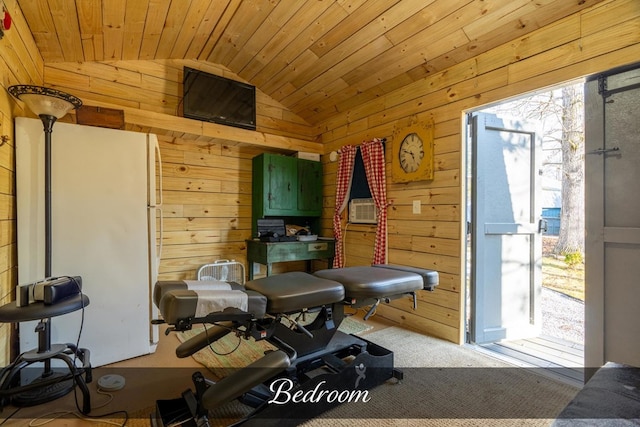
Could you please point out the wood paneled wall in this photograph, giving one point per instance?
(156, 86)
(599, 38)
(206, 205)
(207, 179)
(19, 63)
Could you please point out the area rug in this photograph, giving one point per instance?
(231, 352)
(443, 384)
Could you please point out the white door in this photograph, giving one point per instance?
(612, 243)
(506, 275)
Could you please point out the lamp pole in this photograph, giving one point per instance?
(48, 122)
(49, 104)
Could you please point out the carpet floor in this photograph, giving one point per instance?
(444, 384)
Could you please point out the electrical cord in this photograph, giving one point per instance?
(52, 416)
(210, 343)
(40, 421)
(88, 417)
(79, 414)
(57, 414)
(9, 417)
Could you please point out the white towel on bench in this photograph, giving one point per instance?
(215, 300)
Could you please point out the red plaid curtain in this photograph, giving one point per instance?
(343, 187)
(373, 158)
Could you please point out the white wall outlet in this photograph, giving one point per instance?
(256, 268)
(416, 207)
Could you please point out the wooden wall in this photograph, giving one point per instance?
(19, 63)
(206, 206)
(156, 86)
(206, 167)
(599, 38)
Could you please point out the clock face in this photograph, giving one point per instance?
(411, 153)
(412, 158)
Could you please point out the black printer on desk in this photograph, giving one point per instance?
(273, 230)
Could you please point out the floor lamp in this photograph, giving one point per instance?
(50, 105)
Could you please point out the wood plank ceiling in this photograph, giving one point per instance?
(317, 57)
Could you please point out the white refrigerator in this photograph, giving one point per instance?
(106, 228)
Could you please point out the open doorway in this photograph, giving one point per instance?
(525, 263)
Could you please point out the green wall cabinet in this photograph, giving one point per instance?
(285, 187)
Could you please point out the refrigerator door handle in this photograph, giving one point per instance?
(159, 161)
(154, 164)
(160, 237)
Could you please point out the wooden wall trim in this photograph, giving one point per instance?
(165, 124)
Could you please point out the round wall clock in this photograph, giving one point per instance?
(412, 153)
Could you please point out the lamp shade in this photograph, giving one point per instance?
(45, 101)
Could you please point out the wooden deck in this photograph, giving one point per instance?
(561, 359)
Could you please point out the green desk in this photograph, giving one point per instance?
(267, 253)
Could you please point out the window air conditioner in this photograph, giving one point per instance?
(363, 211)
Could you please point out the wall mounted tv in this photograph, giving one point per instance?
(212, 98)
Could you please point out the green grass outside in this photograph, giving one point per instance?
(560, 277)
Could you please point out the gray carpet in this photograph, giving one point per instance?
(444, 384)
(415, 350)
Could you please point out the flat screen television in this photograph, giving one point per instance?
(212, 98)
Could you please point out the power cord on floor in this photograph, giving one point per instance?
(36, 422)
(93, 418)
(52, 416)
(79, 414)
(9, 417)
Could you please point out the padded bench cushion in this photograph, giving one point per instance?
(192, 299)
(164, 286)
(430, 278)
(294, 291)
(373, 282)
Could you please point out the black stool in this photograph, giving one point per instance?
(51, 384)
